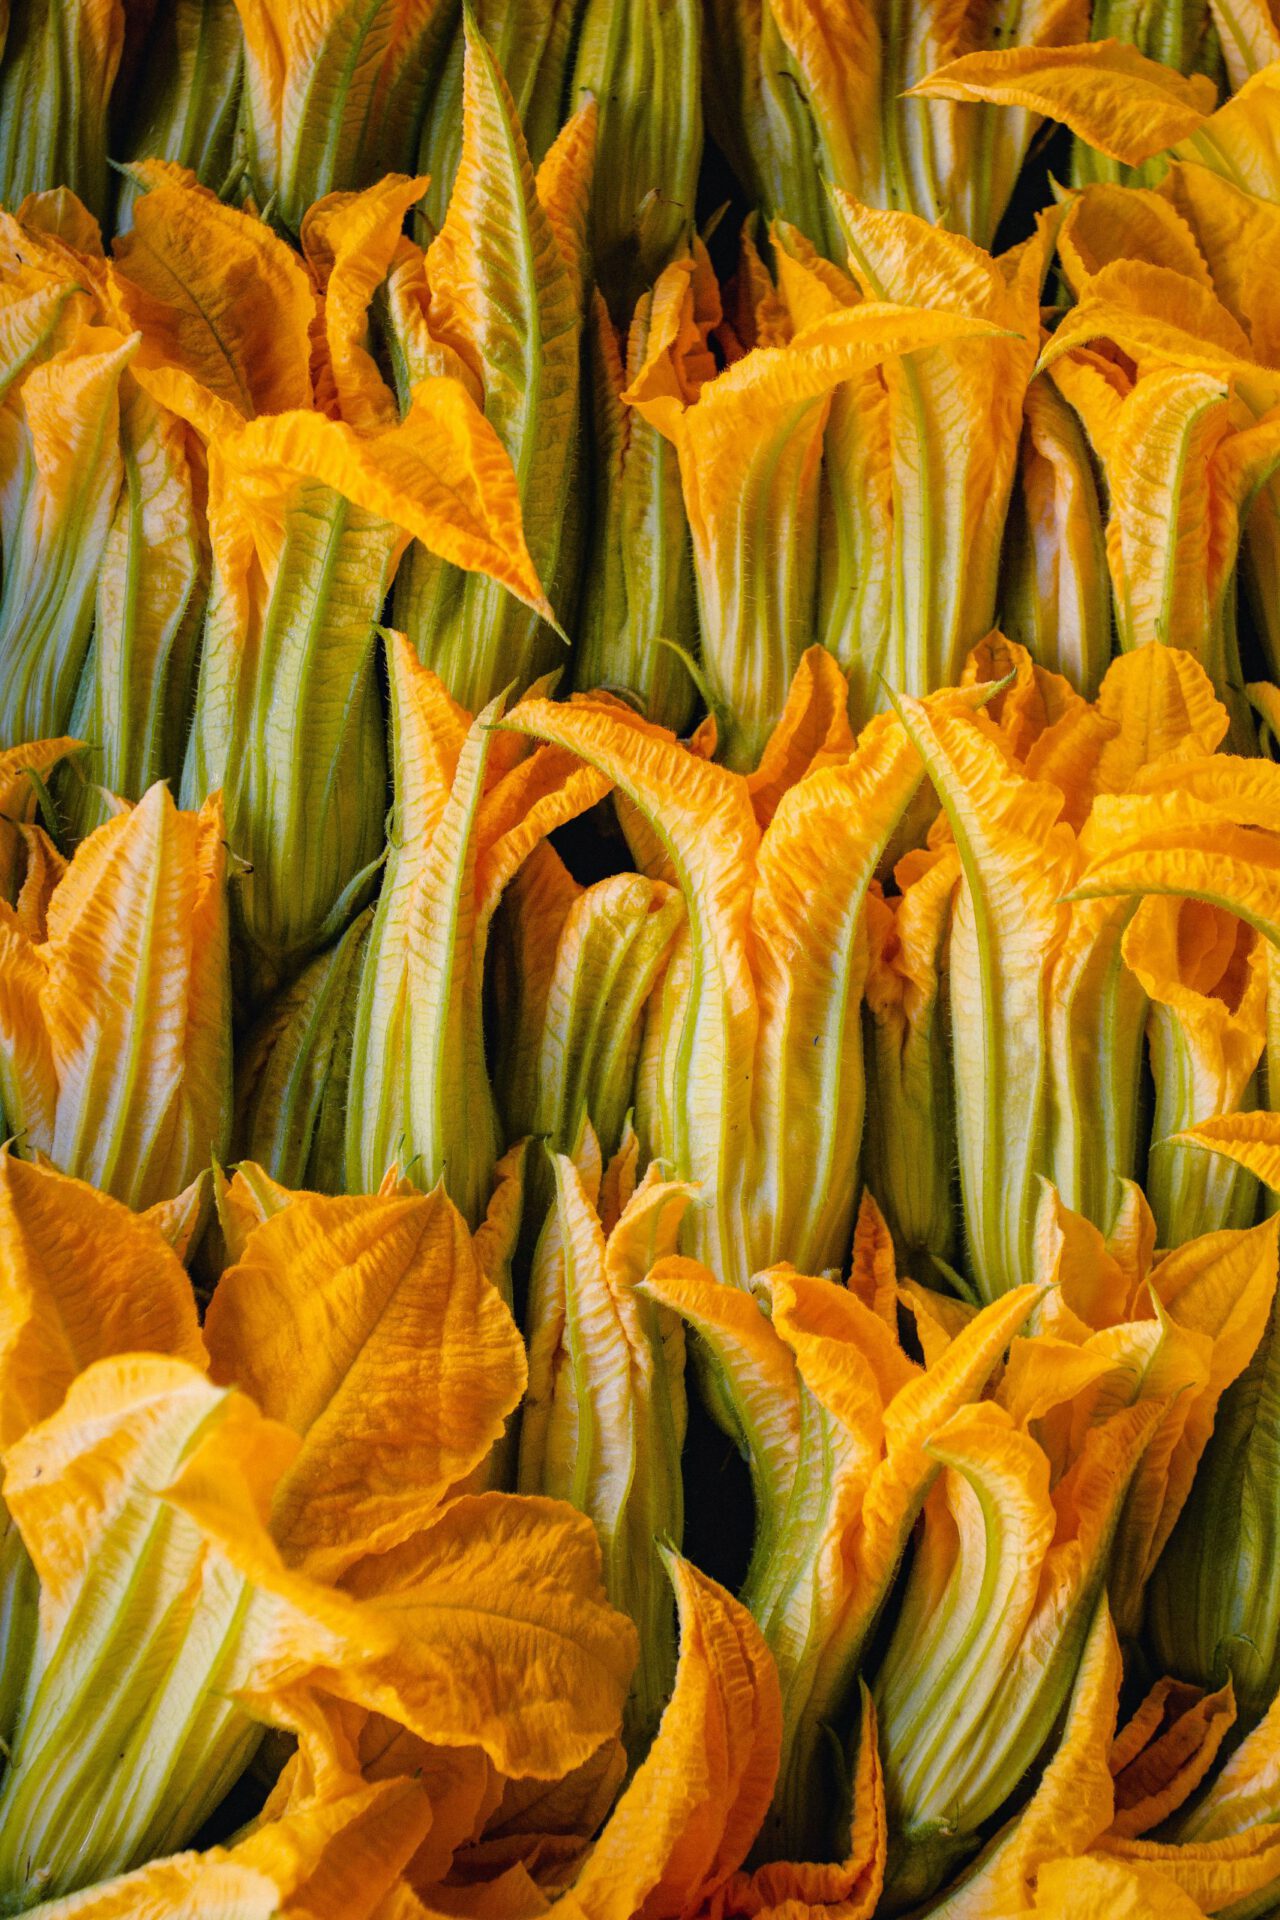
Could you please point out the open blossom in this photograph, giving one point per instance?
(266, 1520)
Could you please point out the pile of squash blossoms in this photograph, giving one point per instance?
(639, 959)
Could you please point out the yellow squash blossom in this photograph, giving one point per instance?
(1028, 802)
(58, 64)
(1073, 1803)
(638, 584)
(1079, 1851)
(499, 298)
(919, 452)
(803, 94)
(242, 1527)
(1236, 233)
(116, 1015)
(828, 1402)
(750, 443)
(61, 472)
(1071, 1476)
(856, 576)
(1207, 828)
(467, 813)
(1212, 1606)
(1187, 437)
(1212, 1609)
(575, 970)
(308, 510)
(603, 1422)
(1206, 974)
(23, 773)
(132, 705)
(111, 539)
(332, 92)
(1227, 237)
(515, 1849)
(680, 1831)
(1055, 595)
(752, 1076)
(910, 1147)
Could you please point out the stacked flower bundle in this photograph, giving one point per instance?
(639, 959)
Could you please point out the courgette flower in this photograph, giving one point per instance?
(838, 1426)
(332, 93)
(107, 551)
(1070, 1477)
(1055, 592)
(1078, 1850)
(1186, 426)
(1047, 1009)
(470, 805)
(116, 1013)
(574, 973)
(1130, 108)
(678, 1834)
(752, 1081)
(638, 584)
(802, 93)
(932, 318)
(603, 1422)
(498, 299)
(909, 1151)
(23, 772)
(1213, 1609)
(255, 1525)
(314, 489)
(1206, 974)
(62, 463)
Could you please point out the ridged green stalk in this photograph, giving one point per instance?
(188, 93)
(58, 62)
(291, 1074)
(641, 59)
(638, 587)
(1213, 1604)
